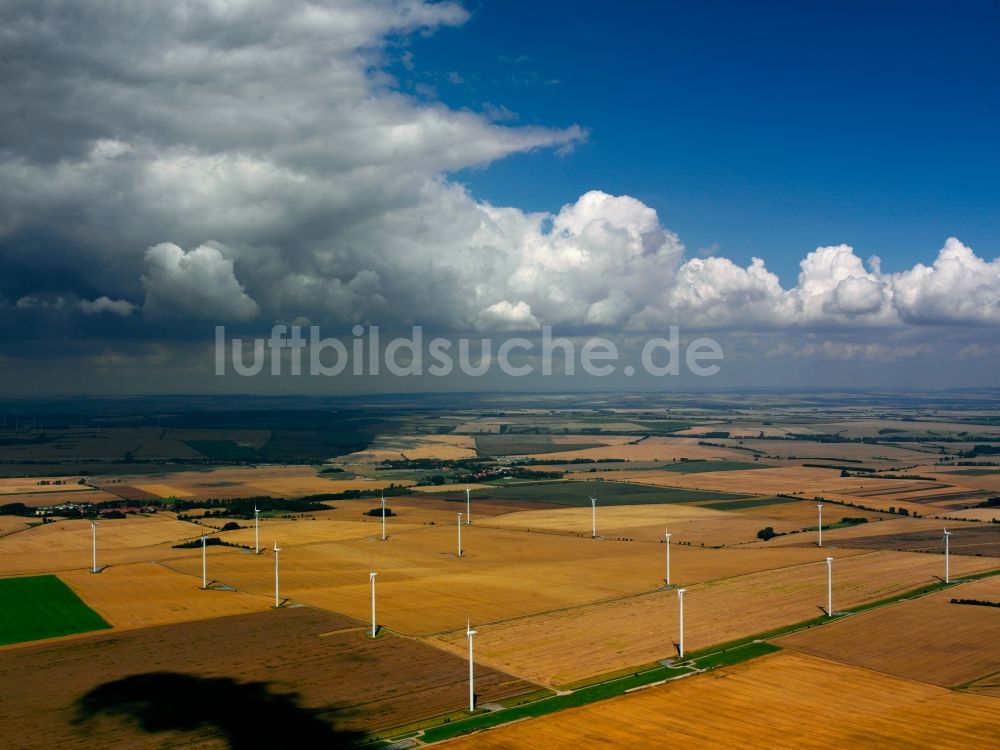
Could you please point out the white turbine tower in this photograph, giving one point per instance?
(93, 534)
(469, 633)
(593, 518)
(680, 605)
(371, 577)
(459, 534)
(667, 536)
(204, 570)
(829, 587)
(947, 565)
(468, 509)
(256, 530)
(277, 550)
(383, 518)
(819, 509)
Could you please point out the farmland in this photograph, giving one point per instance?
(37, 607)
(927, 639)
(285, 481)
(546, 648)
(553, 607)
(781, 701)
(144, 594)
(965, 540)
(326, 659)
(607, 493)
(67, 544)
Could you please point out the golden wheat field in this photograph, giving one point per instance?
(401, 447)
(278, 481)
(803, 513)
(313, 485)
(419, 510)
(502, 574)
(424, 587)
(301, 531)
(748, 429)
(782, 700)
(547, 649)
(11, 524)
(650, 449)
(890, 526)
(927, 639)
(68, 544)
(33, 485)
(163, 490)
(687, 523)
(431, 488)
(140, 595)
(783, 479)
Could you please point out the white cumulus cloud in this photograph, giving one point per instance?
(199, 285)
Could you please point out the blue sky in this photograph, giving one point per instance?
(497, 168)
(762, 128)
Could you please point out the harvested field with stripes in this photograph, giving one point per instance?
(503, 574)
(927, 639)
(643, 629)
(784, 700)
(66, 545)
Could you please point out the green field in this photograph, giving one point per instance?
(39, 607)
(223, 450)
(698, 467)
(754, 502)
(607, 493)
(520, 444)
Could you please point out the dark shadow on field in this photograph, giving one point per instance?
(246, 714)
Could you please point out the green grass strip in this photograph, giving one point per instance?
(598, 692)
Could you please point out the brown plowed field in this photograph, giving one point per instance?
(323, 657)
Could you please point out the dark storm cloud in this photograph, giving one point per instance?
(166, 166)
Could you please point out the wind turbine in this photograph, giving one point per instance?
(593, 518)
(667, 536)
(371, 577)
(383, 517)
(256, 530)
(469, 633)
(829, 587)
(680, 605)
(468, 509)
(819, 508)
(277, 549)
(947, 566)
(204, 575)
(459, 534)
(93, 533)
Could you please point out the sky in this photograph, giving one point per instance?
(812, 187)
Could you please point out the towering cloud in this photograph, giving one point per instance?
(251, 162)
